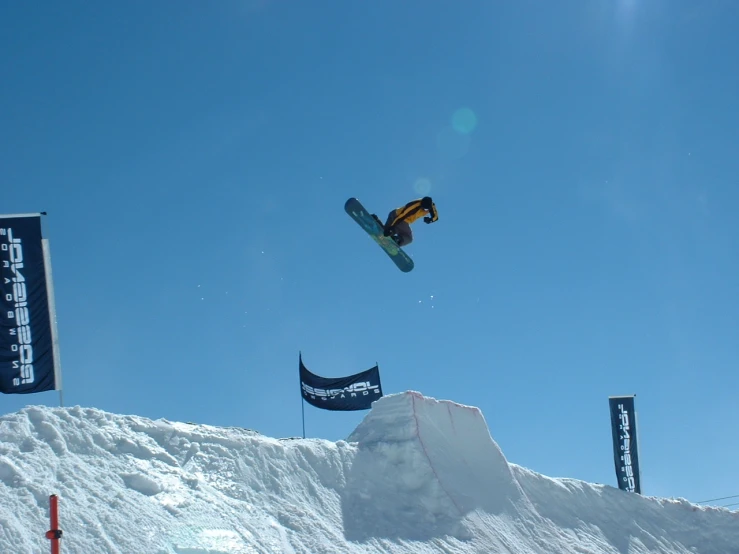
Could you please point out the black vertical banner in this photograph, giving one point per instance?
(625, 451)
(27, 336)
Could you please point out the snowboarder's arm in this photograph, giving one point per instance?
(433, 215)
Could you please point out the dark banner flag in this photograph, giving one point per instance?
(625, 452)
(355, 392)
(29, 360)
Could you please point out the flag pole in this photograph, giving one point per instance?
(302, 406)
(52, 316)
(302, 400)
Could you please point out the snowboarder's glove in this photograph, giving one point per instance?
(427, 220)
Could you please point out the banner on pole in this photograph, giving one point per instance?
(625, 451)
(354, 392)
(29, 355)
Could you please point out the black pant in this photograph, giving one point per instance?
(401, 228)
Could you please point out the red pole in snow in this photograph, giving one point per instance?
(54, 534)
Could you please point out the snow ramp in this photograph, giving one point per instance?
(422, 466)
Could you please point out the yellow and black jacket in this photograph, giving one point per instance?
(414, 210)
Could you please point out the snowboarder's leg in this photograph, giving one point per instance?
(386, 228)
(405, 235)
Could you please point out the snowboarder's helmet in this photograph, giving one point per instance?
(426, 202)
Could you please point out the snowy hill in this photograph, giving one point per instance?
(417, 476)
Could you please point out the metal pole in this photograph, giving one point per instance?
(52, 319)
(54, 534)
(300, 378)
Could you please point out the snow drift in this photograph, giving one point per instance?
(417, 476)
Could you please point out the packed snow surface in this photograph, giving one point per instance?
(418, 475)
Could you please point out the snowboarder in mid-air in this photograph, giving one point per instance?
(398, 221)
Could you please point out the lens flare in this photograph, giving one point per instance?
(464, 121)
(422, 186)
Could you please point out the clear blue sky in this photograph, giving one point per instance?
(194, 159)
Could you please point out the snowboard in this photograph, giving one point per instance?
(365, 220)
